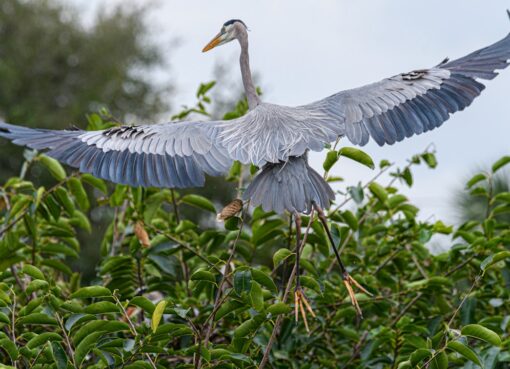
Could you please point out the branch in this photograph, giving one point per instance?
(279, 320)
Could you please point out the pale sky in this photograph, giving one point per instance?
(306, 50)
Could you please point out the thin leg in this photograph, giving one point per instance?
(300, 299)
(348, 280)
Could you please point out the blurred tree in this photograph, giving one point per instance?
(54, 69)
(475, 208)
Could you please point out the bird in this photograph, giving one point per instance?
(275, 138)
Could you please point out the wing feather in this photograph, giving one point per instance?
(162, 155)
(415, 102)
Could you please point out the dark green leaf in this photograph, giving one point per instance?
(91, 291)
(59, 355)
(242, 281)
(203, 275)
(464, 351)
(42, 339)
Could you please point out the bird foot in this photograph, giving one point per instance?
(349, 282)
(300, 304)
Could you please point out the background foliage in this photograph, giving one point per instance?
(54, 69)
(94, 275)
(169, 291)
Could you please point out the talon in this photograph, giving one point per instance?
(347, 282)
(300, 304)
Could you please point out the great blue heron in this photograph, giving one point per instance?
(275, 137)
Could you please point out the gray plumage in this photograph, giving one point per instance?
(277, 138)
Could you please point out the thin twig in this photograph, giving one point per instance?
(70, 350)
(220, 286)
(279, 320)
(406, 309)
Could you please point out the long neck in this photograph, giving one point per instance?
(249, 87)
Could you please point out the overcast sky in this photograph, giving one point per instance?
(306, 50)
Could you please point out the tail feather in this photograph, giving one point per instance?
(293, 186)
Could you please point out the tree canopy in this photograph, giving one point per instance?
(54, 69)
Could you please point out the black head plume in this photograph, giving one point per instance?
(232, 21)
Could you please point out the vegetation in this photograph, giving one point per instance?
(54, 69)
(175, 288)
(170, 292)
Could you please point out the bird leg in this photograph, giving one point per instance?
(300, 300)
(349, 282)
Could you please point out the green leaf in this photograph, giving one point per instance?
(227, 308)
(357, 155)
(356, 193)
(493, 259)
(500, 163)
(98, 326)
(4, 318)
(475, 179)
(204, 88)
(247, 328)
(79, 193)
(157, 315)
(242, 281)
(281, 255)
(419, 356)
(91, 291)
(430, 159)
(63, 198)
(101, 307)
(56, 170)
(144, 303)
(378, 191)
(37, 318)
(256, 296)
(203, 275)
(33, 272)
(94, 182)
(42, 339)
(350, 219)
(264, 280)
(4, 297)
(59, 355)
(482, 333)
(85, 346)
(199, 202)
(10, 348)
(80, 220)
(311, 283)
(464, 351)
(36, 285)
(440, 361)
(331, 159)
(279, 308)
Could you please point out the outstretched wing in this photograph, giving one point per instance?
(172, 155)
(411, 103)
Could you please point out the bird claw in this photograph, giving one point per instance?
(300, 304)
(348, 282)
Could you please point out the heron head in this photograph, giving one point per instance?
(230, 31)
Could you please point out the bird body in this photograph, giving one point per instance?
(274, 137)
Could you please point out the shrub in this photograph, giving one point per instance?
(172, 293)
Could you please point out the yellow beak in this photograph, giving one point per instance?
(213, 43)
